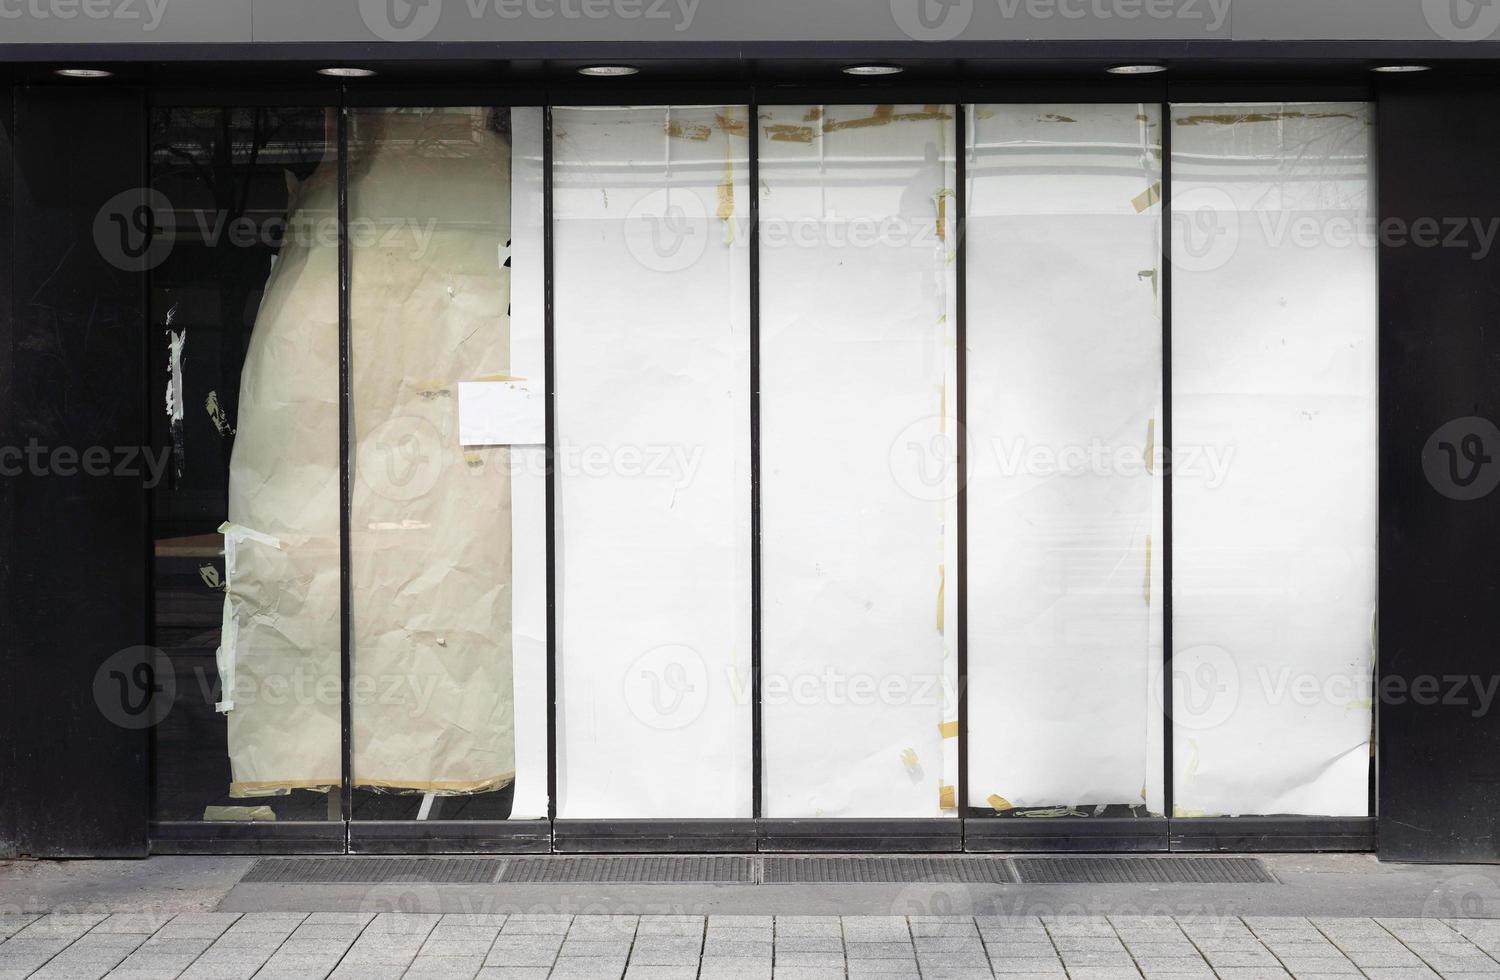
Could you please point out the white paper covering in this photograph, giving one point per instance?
(1064, 500)
(528, 485)
(1274, 365)
(653, 462)
(857, 480)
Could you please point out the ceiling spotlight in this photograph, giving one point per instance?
(346, 72)
(608, 71)
(84, 73)
(874, 70)
(1401, 69)
(1137, 69)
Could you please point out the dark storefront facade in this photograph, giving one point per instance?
(1000, 427)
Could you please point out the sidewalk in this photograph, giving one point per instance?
(377, 946)
(193, 918)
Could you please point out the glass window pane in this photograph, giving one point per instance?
(1274, 355)
(245, 308)
(651, 339)
(858, 486)
(448, 410)
(1064, 495)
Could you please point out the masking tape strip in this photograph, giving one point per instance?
(238, 813)
(1146, 198)
(947, 798)
(942, 587)
(1148, 569)
(229, 630)
(277, 787)
(440, 787)
(948, 729)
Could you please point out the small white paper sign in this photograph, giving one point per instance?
(500, 413)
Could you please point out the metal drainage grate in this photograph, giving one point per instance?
(1142, 870)
(853, 870)
(644, 869)
(373, 870)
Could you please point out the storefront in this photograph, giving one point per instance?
(914, 444)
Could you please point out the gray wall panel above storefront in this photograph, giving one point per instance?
(160, 22)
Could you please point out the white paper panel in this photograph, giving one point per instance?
(1064, 500)
(528, 482)
(1274, 370)
(651, 342)
(501, 413)
(856, 368)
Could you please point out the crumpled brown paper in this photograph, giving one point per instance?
(430, 547)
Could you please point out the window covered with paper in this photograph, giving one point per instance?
(858, 477)
(1274, 357)
(447, 551)
(651, 340)
(1064, 483)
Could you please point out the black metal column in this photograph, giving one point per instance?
(75, 596)
(8, 734)
(1439, 775)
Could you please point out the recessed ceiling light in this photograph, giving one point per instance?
(1401, 69)
(874, 70)
(84, 73)
(346, 72)
(608, 71)
(1137, 69)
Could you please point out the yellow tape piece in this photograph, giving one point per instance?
(1146, 198)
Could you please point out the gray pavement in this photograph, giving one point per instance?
(421, 946)
(1326, 916)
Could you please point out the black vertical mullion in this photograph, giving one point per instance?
(550, 423)
(1166, 445)
(961, 460)
(346, 409)
(755, 691)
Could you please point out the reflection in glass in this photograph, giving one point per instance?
(245, 311)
